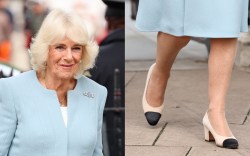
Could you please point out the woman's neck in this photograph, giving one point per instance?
(52, 82)
(61, 86)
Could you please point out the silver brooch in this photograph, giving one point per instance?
(89, 94)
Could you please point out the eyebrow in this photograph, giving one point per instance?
(77, 45)
(61, 44)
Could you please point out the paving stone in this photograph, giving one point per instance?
(137, 133)
(244, 152)
(128, 77)
(212, 151)
(183, 134)
(155, 151)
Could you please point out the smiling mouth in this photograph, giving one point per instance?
(66, 65)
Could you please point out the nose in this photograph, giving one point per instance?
(68, 55)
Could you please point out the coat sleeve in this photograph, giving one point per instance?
(99, 148)
(8, 119)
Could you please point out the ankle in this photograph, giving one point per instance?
(161, 73)
(216, 107)
(211, 111)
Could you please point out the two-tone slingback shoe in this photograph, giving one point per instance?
(152, 114)
(221, 141)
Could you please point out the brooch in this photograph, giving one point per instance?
(89, 94)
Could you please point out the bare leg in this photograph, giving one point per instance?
(221, 62)
(168, 47)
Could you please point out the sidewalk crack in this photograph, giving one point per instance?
(126, 84)
(248, 113)
(158, 136)
(188, 151)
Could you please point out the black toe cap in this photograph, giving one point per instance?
(153, 117)
(230, 143)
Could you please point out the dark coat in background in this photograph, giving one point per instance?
(111, 56)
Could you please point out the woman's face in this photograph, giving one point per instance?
(64, 59)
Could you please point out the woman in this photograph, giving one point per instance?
(175, 22)
(53, 109)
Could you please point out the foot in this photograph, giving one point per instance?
(156, 87)
(219, 123)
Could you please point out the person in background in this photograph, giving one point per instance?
(111, 57)
(6, 27)
(4, 7)
(35, 12)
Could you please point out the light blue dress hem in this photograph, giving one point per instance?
(193, 34)
(210, 19)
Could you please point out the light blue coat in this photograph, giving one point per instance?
(31, 122)
(199, 18)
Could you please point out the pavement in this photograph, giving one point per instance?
(180, 130)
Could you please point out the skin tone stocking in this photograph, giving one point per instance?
(168, 47)
(221, 62)
(220, 66)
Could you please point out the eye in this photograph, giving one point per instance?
(77, 49)
(60, 48)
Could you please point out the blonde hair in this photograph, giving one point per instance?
(56, 26)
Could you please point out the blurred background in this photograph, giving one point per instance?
(20, 20)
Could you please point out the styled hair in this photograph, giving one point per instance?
(56, 26)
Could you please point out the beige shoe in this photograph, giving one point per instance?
(221, 141)
(153, 114)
